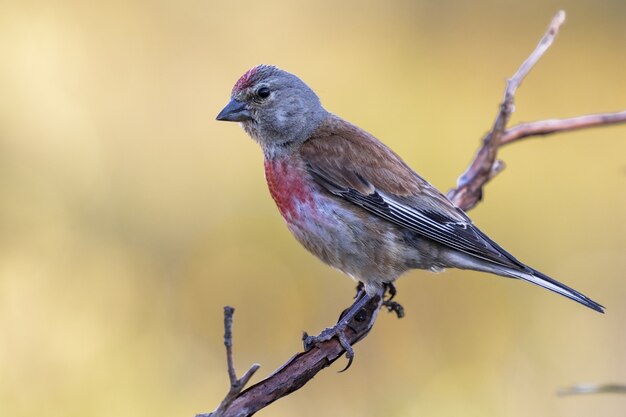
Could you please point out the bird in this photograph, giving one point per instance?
(352, 201)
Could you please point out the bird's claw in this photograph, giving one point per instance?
(354, 316)
(310, 342)
(348, 348)
(391, 289)
(307, 341)
(326, 334)
(394, 307)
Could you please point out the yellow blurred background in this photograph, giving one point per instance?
(129, 216)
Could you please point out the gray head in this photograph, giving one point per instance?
(275, 107)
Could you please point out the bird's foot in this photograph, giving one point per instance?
(393, 306)
(355, 313)
(390, 289)
(336, 331)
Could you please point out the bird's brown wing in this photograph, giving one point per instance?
(355, 166)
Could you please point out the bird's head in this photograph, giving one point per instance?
(275, 108)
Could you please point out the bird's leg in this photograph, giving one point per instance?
(391, 289)
(393, 306)
(360, 288)
(344, 320)
(354, 313)
(360, 292)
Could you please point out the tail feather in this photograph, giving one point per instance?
(522, 271)
(542, 280)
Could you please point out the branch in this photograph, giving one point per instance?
(593, 389)
(303, 366)
(484, 167)
(546, 127)
(236, 385)
(297, 371)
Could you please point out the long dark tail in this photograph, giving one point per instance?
(537, 278)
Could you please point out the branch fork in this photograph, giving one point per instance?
(236, 384)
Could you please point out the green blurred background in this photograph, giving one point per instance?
(129, 216)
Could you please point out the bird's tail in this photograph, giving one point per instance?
(542, 280)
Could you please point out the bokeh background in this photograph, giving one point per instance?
(129, 216)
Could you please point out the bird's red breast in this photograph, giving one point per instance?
(288, 187)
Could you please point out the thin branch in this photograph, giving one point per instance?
(236, 385)
(593, 389)
(228, 343)
(545, 43)
(469, 188)
(298, 370)
(303, 366)
(546, 127)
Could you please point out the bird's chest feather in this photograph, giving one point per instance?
(314, 217)
(290, 189)
(311, 216)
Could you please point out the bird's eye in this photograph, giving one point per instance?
(263, 92)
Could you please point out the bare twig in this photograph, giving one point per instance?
(545, 43)
(469, 188)
(298, 370)
(228, 343)
(236, 385)
(546, 127)
(593, 389)
(303, 366)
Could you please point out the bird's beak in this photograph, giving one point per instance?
(235, 111)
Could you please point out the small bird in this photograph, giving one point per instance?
(352, 201)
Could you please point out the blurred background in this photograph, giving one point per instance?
(129, 216)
